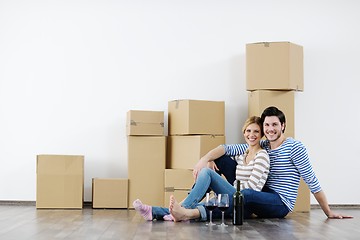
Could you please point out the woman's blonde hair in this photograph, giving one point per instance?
(251, 120)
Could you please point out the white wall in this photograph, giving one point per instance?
(70, 70)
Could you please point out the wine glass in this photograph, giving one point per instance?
(210, 204)
(223, 205)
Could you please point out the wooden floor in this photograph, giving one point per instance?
(26, 222)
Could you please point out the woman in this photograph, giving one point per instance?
(252, 170)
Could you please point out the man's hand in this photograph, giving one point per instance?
(333, 215)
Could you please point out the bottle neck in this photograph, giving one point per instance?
(238, 185)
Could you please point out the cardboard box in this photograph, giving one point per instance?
(109, 193)
(146, 167)
(187, 117)
(178, 179)
(178, 182)
(185, 151)
(145, 123)
(274, 66)
(283, 100)
(178, 194)
(59, 181)
(303, 198)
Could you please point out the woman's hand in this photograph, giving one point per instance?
(208, 160)
(212, 165)
(200, 165)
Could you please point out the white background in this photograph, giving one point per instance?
(70, 70)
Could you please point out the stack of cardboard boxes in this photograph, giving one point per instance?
(274, 72)
(146, 156)
(195, 127)
(160, 166)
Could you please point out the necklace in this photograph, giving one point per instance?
(250, 155)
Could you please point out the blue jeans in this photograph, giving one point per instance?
(227, 167)
(265, 204)
(207, 178)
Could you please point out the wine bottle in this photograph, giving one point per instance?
(238, 200)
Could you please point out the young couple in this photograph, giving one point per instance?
(274, 198)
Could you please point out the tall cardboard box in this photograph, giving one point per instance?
(186, 117)
(284, 100)
(59, 181)
(303, 198)
(146, 167)
(274, 66)
(145, 123)
(109, 193)
(178, 182)
(185, 151)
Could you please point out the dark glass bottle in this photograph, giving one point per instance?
(238, 200)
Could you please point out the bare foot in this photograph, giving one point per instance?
(180, 213)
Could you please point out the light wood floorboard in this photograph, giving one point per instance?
(26, 222)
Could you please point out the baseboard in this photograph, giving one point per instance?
(89, 204)
(18, 203)
(32, 203)
(332, 206)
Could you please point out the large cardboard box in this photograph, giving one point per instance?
(274, 66)
(178, 182)
(284, 100)
(196, 117)
(59, 181)
(146, 167)
(303, 198)
(145, 123)
(185, 151)
(109, 193)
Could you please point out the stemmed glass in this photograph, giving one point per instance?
(223, 205)
(210, 204)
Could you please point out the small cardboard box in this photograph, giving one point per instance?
(178, 179)
(283, 100)
(187, 117)
(178, 194)
(185, 151)
(59, 181)
(178, 182)
(146, 166)
(109, 193)
(274, 66)
(145, 123)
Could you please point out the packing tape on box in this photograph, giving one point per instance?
(134, 123)
(173, 189)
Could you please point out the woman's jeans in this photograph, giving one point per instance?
(265, 204)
